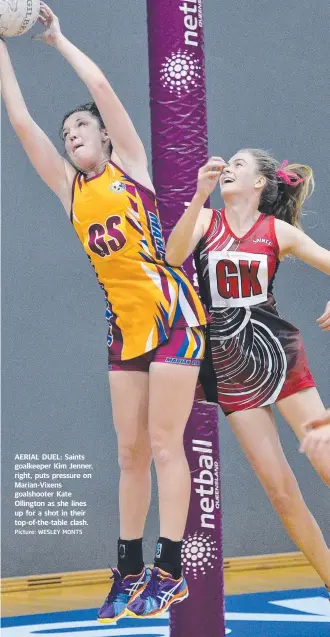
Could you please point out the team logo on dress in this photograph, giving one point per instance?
(262, 240)
(180, 72)
(199, 552)
(117, 187)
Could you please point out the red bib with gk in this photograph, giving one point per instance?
(237, 279)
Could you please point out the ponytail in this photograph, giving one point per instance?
(292, 193)
(286, 189)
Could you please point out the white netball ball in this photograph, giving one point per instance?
(18, 16)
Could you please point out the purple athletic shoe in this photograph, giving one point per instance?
(160, 593)
(123, 590)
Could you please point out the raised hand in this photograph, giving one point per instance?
(324, 320)
(51, 23)
(208, 176)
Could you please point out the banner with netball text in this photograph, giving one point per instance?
(179, 148)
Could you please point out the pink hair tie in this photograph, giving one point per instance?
(290, 178)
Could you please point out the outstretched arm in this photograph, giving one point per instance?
(195, 221)
(124, 138)
(293, 241)
(57, 173)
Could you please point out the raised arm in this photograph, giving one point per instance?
(55, 171)
(195, 221)
(124, 138)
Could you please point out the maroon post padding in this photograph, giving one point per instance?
(179, 148)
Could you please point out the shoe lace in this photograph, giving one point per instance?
(151, 589)
(117, 590)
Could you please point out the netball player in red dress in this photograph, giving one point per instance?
(255, 358)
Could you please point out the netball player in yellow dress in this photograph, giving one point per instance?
(155, 337)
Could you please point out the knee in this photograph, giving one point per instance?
(285, 497)
(164, 448)
(282, 502)
(161, 453)
(133, 459)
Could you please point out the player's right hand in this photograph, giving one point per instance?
(208, 176)
(317, 439)
(317, 436)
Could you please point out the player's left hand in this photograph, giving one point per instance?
(51, 23)
(324, 320)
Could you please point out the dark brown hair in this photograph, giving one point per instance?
(278, 198)
(91, 108)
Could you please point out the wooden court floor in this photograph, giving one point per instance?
(92, 596)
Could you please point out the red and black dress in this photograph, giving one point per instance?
(254, 357)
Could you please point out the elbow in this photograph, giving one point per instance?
(100, 85)
(172, 260)
(22, 124)
(326, 264)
